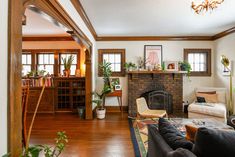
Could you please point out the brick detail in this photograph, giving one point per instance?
(141, 83)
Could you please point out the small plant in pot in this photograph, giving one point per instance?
(67, 62)
(99, 101)
(129, 66)
(185, 66)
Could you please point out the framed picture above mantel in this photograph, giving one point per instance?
(152, 56)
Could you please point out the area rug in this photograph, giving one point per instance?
(139, 133)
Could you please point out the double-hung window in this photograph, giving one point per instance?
(46, 62)
(114, 56)
(200, 61)
(26, 63)
(73, 65)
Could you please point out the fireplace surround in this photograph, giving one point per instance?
(140, 83)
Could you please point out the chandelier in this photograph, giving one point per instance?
(206, 5)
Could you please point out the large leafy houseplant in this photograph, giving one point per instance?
(67, 62)
(99, 97)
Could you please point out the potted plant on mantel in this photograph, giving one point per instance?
(67, 65)
(185, 66)
(99, 97)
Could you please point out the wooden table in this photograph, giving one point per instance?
(118, 94)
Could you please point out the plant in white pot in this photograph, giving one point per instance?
(99, 97)
(99, 101)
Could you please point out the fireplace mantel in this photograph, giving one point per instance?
(152, 73)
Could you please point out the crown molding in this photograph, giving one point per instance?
(154, 38)
(224, 33)
(48, 38)
(78, 6)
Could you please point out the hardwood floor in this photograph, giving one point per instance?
(87, 138)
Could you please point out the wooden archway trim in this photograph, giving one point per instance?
(16, 10)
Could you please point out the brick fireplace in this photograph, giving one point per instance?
(139, 83)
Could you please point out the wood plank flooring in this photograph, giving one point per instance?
(87, 138)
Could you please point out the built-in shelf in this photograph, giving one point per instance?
(155, 72)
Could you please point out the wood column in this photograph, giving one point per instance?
(14, 78)
(88, 80)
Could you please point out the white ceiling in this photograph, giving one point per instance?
(37, 25)
(156, 18)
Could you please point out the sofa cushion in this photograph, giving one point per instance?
(210, 98)
(172, 136)
(213, 109)
(180, 152)
(214, 143)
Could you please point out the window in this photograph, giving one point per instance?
(200, 61)
(26, 63)
(73, 66)
(46, 62)
(117, 59)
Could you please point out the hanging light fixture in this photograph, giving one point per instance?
(206, 5)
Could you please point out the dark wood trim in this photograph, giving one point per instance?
(154, 38)
(48, 38)
(88, 84)
(78, 6)
(14, 78)
(224, 33)
(112, 51)
(208, 53)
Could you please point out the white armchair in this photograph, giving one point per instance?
(216, 110)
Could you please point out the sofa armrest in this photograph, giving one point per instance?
(180, 152)
(157, 147)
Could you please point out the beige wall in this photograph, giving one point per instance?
(224, 46)
(57, 45)
(3, 76)
(172, 51)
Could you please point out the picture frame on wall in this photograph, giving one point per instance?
(152, 56)
(171, 66)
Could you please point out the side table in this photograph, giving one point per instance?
(118, 94)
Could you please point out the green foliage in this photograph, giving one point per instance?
(129, 65)
(107, 72)
(100, 96)
(225, 61)
(68, 62)
(185, 66)
(60, 143)
(7, 155)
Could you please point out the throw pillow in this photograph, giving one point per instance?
(210, 98)
(172, 136)
(180, 152)
(190, 132)
(214, 143)
(201, 100)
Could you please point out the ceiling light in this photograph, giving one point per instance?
(206, 5)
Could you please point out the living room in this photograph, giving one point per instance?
(125, 34)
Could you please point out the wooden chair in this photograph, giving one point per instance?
(144, 112)
(24, 102)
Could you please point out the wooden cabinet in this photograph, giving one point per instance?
(47, 101)
(70, 93)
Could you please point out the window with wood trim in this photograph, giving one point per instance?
(114, 56)
(200, 61)
(26, 63)
(46, 62)
(74, 63)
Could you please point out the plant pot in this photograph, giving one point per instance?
(66, 73)
(100, 113)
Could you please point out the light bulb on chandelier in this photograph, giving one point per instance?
(206, 5)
